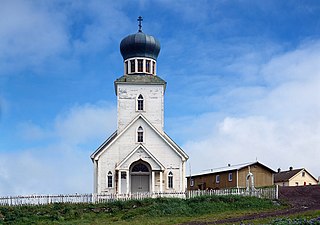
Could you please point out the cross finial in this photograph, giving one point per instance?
(140, 20)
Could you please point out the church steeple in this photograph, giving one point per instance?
(140, 52)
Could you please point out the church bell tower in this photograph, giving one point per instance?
(140, 90)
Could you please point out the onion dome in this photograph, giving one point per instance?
(140, 45)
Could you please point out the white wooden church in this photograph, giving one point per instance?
(139, 156)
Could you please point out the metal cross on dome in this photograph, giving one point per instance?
(140, 21)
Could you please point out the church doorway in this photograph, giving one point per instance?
(140, 177)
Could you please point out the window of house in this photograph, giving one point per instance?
(140, 134)
(140, 65)
(148, 66)
(191, 182)
(297, 184)
(109, 183)
(230, 177)
(170, 180)
(217, 179)
(132, 66)
(140, 102)
(123, 175)
(303, 173)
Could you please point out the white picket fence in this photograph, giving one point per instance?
(269, 193)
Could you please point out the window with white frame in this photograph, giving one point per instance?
(191, 182)
(170, 180)
(140, 134)
(230, 177)
(148, 66)
(126, 68)
(132, 66)
(217, 179)
(140, 103)
(109, 180)
(140, 65)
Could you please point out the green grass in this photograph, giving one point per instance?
(147, 211)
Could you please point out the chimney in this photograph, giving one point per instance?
(279, 170)
(290, 168)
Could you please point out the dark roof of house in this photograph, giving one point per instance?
(231, 168)
(285, 175)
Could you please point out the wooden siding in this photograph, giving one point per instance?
(262, 177)
(208, 181)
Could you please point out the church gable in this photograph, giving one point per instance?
(151, 138)
(140, 153)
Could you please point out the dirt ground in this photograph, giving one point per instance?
(300, 199)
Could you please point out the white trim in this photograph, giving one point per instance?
(153, 66)
(119, 182)
(161, 182)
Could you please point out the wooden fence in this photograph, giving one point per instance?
(270, 193)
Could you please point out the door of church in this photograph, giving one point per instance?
(140, 177)
(139, 183)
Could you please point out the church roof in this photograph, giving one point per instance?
(139, 79)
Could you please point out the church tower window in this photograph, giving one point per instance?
(132, 66)
(140, 134)
(170, 180)
(109, 185)
(140, 103)
(148, 66)
(153, 68)
(126, 71)
(140, 65)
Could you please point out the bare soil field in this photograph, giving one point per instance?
(299, 199)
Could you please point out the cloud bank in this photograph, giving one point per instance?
(279, 125)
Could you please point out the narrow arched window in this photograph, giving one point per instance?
(109, 180)
(170, 180)
(140, 134)
(148, 66)
(140, 102)
(132, 66)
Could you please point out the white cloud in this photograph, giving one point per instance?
(59, 161)
(278, 122)
(42, 33)
(86, 122)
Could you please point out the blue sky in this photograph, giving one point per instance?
(243, 84)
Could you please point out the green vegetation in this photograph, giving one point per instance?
(311, 217)
(147, 211)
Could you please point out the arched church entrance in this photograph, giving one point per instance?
(140, 177)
